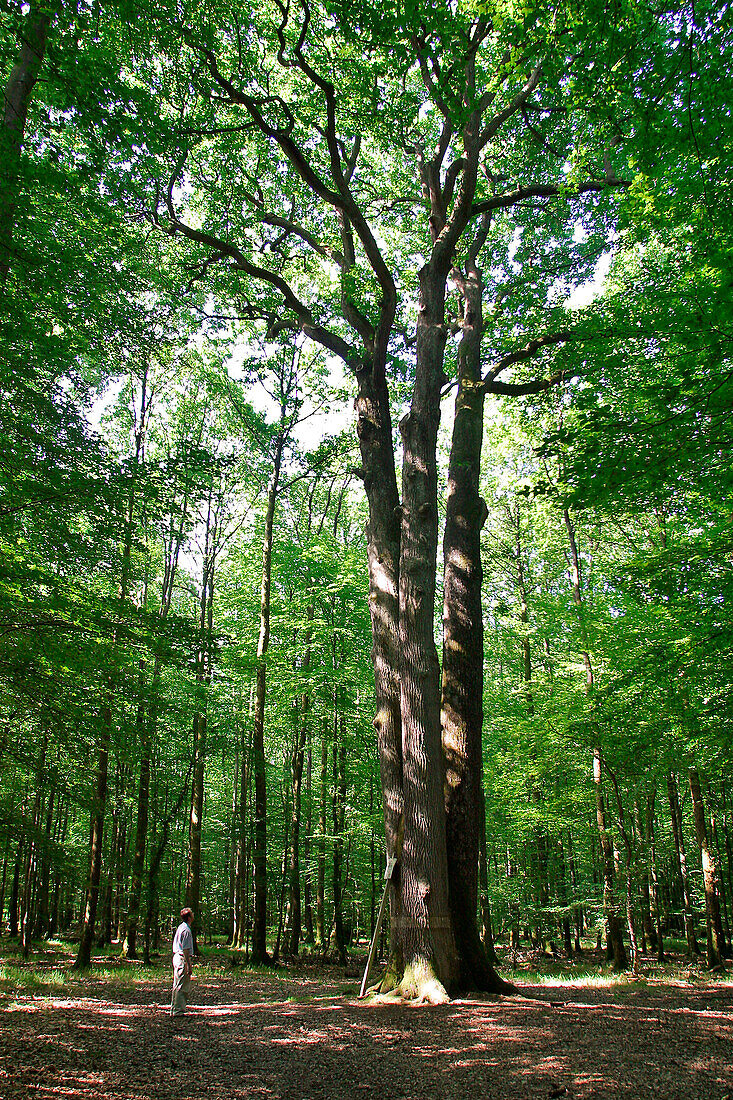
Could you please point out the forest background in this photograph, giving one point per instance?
(219, 231)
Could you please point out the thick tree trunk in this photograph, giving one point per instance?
(713, 925)
(693, 947)
(374, 429)
(34, 28)
(463, 648)
(432, 964)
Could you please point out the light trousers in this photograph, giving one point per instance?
(181, 986)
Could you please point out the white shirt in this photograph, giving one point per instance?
(183, 939)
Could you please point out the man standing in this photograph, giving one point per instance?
(182, 951)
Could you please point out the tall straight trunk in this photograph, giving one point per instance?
(129, 947)
(719, 882)
(649, 935)
(651, 841)
(562, 897)
(84, 954)
(308, 877)
(715, 943)
(577, 910)
(463, 641)
(294, 925)
(31, 858)
(105, 735)
(728, 840)
(200, 722)
(34, 28)
(338, 810)
(14, 906)
(487, 932)
(432, 964)
(43, 916)
(283, 871)
(239, 937)
(374, 429)
(610, 908)
(259, 930)
(322, 833)
(693, 947)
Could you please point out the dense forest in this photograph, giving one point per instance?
(366, 424)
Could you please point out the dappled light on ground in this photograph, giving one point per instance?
(264, 1036)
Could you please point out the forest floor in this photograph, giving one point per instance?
(299, 1032)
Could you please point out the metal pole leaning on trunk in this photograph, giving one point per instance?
(389, 871)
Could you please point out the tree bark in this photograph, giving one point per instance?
(463, 643)
(129, 947)
(432, 964)
(33, 36)
(693, 947)
(713, 925)
(259, 931)
(294, 923)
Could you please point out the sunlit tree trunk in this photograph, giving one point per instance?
(715, 944)
(463, 641)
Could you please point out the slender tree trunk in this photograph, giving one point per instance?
(693, 947)
(610, 908)
(308, 878)
(129, 947)
(577, 910)
(339, 808)
(659, 939)
(487, 932)
(615, 935)
(709, 873)
(294, 926)
(322, 833)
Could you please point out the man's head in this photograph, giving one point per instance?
(187, 915)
